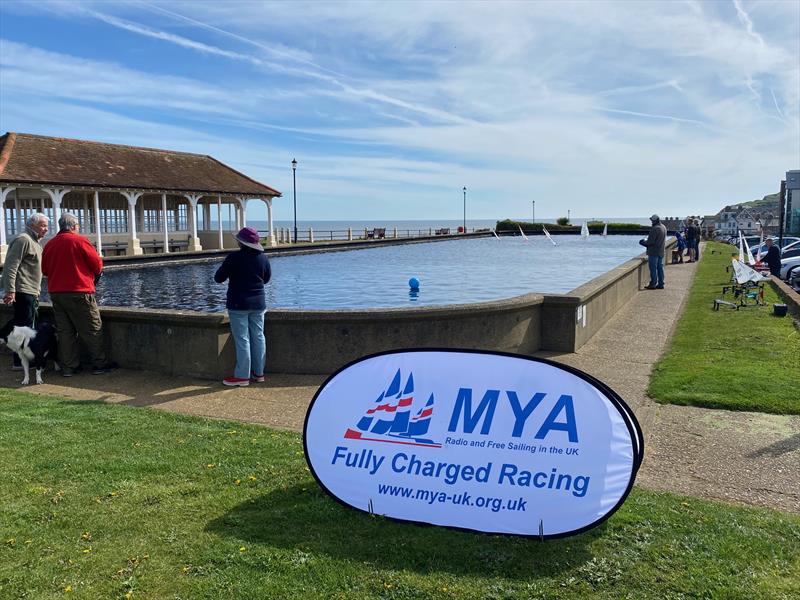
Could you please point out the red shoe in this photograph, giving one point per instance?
(256, 378)
(236, 381)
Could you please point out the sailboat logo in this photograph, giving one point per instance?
(389, 419)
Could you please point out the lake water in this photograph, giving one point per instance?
(450, 272)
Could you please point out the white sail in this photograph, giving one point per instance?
(741, 247)
(547, 235)
(750, 259)
(584, 230)
(522, 233)
(495, 234)
(760, 244)
(605, 230)
(743, 273)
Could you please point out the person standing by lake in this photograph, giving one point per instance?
(655, 244)
(690, 233)
(773, 258)
(247, 272)
(73, 267)
(22, 274)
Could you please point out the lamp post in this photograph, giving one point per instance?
(465, 209)
(533, 211)
(294, 191)
(568, 217)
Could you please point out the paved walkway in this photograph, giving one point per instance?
(748, 458)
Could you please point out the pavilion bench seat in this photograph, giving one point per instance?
(116, 247)
(443, 231)
(378, 233)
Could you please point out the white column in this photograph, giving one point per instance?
(219, 222)
(311, 235)
(56, 195)
(164, 222)
(18, 210)
(207, 216)
(271, 233)
(194, 241)
(98, 235)
(4, 192)
(134, 247)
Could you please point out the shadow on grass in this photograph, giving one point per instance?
(295, 518)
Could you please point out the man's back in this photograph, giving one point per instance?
(70, 263)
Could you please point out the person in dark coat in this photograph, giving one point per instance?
(656, 245)
(247, 271)
(773, 258)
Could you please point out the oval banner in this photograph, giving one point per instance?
(485, 441)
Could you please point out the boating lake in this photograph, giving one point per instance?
(450, 272)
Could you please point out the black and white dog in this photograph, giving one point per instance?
(33, 346)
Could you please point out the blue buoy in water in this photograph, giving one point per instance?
(413, 283)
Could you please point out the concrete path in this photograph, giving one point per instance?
(748, 458)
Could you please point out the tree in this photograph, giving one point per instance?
(562, 221)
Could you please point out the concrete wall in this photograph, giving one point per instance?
(323, 341)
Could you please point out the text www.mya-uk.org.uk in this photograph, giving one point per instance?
(462, 498)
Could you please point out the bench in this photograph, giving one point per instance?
(158, 245)
(115, 247)
(377, 233)
(443, 231)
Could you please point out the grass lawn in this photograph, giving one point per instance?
(106, 501)
(737, 360)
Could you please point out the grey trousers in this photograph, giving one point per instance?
(77, 315)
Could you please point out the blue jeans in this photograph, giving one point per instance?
(247, 327)
(656, 264)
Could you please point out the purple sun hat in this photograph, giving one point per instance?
(249, 237)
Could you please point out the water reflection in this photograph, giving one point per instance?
(457, 271)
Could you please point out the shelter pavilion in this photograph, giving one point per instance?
(128, 200)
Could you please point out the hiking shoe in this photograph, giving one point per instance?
(650, 287)
(67, 372)
(106, 368)
(659, 287)
(236, 381)
(256, 378)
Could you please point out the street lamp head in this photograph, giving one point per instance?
(294, 165)
(465, 188)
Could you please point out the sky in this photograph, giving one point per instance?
(392, 108)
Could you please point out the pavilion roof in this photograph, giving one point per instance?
(37, 159)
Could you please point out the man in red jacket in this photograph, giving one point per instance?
(71, 265)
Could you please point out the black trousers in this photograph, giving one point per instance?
(25, 313)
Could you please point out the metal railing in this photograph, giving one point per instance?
(284, 235)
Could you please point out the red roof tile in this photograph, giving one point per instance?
(36, 159)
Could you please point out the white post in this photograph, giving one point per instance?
(270, 234)
(18, 209)
(194, 241)
(98, 235)
(219, 221)
(395, 232)
(134, 247)
(165, 225)
(243, 203)
(310, 235)
(4, 191)
(56, 195)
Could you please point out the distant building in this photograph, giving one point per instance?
(127, 199)
(792, 213)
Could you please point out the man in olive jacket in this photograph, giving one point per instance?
(655, 244)
(22, 273)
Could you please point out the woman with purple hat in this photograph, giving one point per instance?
(247, 271)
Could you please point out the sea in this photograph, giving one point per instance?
(419, 224)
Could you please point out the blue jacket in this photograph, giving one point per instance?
(248, 270)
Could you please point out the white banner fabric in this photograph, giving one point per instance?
(483, 441)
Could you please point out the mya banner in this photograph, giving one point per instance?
(486, 441)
